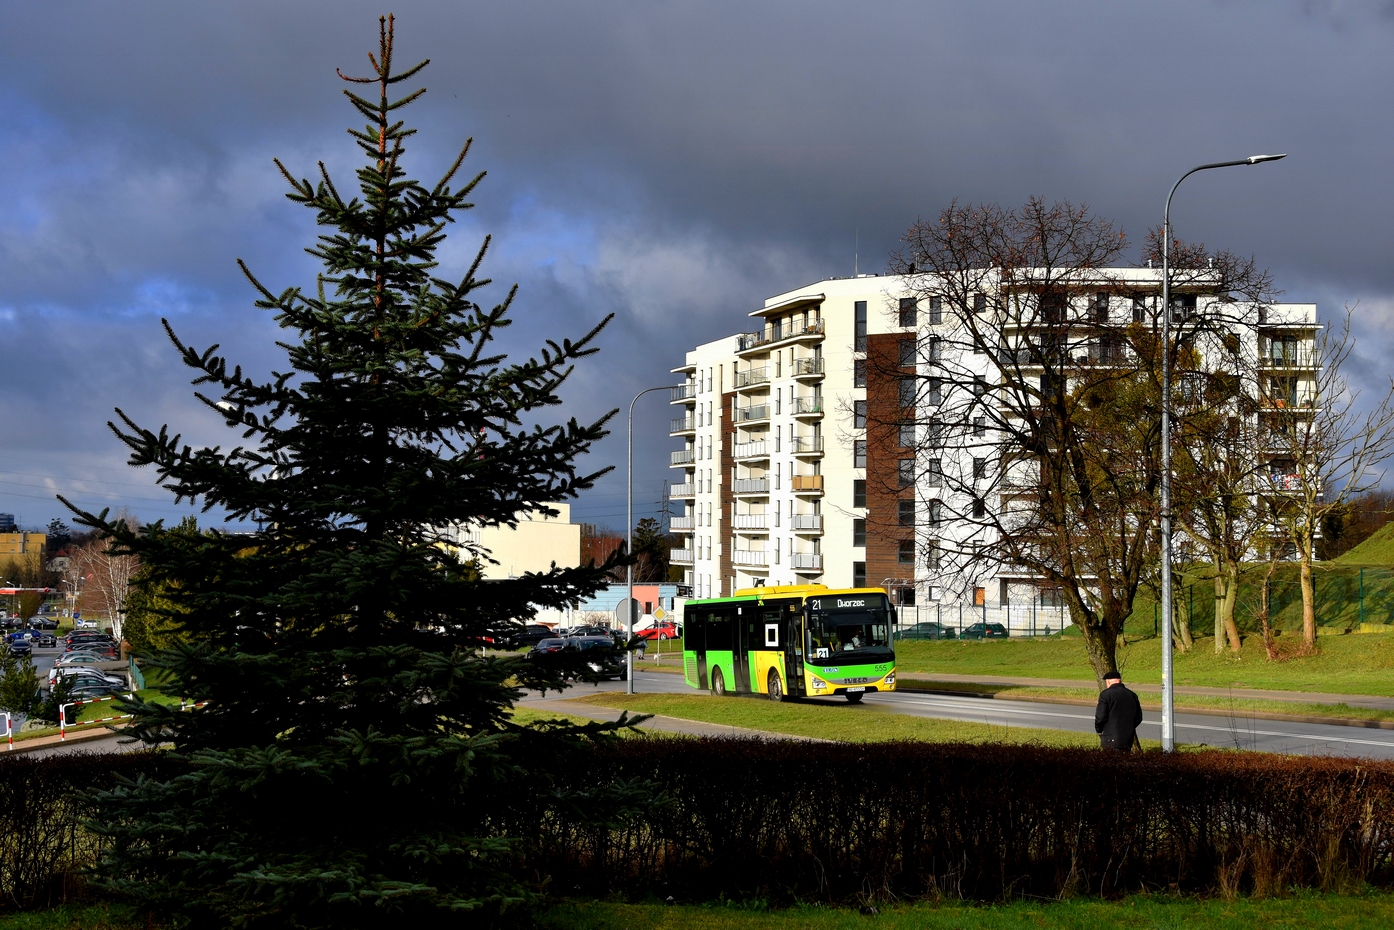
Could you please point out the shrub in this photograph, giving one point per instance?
(791, 820)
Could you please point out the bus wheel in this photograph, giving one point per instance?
(718, 683)
(853, 697)
(776, 687)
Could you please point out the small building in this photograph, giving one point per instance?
(12, 544)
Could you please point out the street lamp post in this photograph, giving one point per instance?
(1168, 703)
(629, 533)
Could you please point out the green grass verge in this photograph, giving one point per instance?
(1375, 910)
(1355, 664)
(835, 720)
(75, 917)
(1238, 706)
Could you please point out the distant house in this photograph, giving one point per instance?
(12, 544)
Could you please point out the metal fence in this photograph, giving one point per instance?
(1019, 619)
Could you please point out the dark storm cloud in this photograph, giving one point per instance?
(673, 163)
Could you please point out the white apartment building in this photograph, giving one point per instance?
(781, 483)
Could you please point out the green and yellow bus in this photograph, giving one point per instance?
(791, 641)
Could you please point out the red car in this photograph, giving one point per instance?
(662, 630)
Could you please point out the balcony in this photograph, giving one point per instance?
(1289, 359)
(759, 449)
(681, 524)
(680, 556)
(806, 445)
(746, 522)
(683, 490)
(682, 457)
(807, 561)
(796, 329)
(807, 484)
(808, 368)
(753, 413)
(752, 376)
(808, 407)
(747, 557)
(751, 486)
(682, 393)
(682, 425)
(808, 522)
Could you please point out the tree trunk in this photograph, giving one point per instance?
(1226, 595)
(1181, 630)
(1309, 603)
(1100, 644)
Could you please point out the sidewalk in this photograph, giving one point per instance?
(658, 723)
(1257, 694)
(75, 737)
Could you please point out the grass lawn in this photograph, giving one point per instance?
(1355, 664)
(1141, 911)
(835, 720)
(1151, 701)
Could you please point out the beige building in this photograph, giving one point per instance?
(12, 544)
(532, 546)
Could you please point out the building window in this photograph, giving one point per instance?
(1099, 308)
(979, 597)
(907, 392)
(979, 467)
(979, 385)
(979, 508)
(859, 532)
(907, 353)
(859, 373)
(858, 414)
(979, 303)
(980, 426)
(936, 310)
(859, 492)
(934, 350)
(907, 436)
(907, 311)
(859, 574)
(907, 512)
(934, 433)
(906, 553)
(859, 308)
(935, 396)
(905, 472)
(1139, 309)
(859, 453)
(933, 470)
(932, 555)
(905, 597)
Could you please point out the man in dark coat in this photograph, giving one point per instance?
(1118, 715)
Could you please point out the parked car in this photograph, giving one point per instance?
(84, 673)
(592, 631)
(20, 647)
(82, 690)
(529, 636)
(546, 646)
(44, 623)
(46, 640)
(929, 630)
(985, 631)
(660, 629)
(82, 658)
(602, 657)
(98, 645)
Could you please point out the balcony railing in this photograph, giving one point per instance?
(806, 445)
(808, 522)
(808, 367)
(808, 406)
(679, 524)
(752, 413)
(752, 376)
(1299, 358)
(808, 483)
(680, 556)
(682, 457)
(1286, 482)
(777, 333)
(682, 392)
(808, 561)
(747, 557)
(682, 425)
(683, 490)
(751, 521)
(751, 486)
(760, 449)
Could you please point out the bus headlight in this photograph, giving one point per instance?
(890, 679)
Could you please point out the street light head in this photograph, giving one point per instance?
(1255, 159)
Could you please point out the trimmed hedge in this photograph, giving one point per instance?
(43, 802)
(790, 820)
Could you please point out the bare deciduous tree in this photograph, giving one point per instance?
(105, 577)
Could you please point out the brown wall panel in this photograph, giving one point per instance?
(883, 455)
(728, 495)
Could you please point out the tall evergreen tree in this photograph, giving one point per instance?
(352, 730)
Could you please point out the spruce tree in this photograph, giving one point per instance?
(351, 730)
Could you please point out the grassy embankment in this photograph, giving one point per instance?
(1351, 912)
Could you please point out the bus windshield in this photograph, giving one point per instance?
(843, 626)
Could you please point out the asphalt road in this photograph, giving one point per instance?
(1234, 732)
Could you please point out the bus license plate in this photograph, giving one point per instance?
(851, 690)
